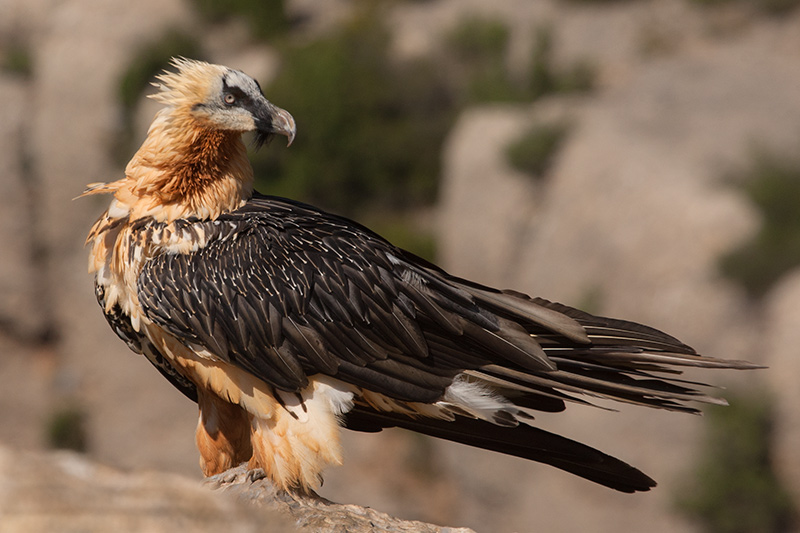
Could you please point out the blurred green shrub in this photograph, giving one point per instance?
(734, 488)
(775, 7)
(535, 150)
(773, 185)
(545, 78)
(479, 48)
(403, 230)
(370, 129)
(478, 39)
(768, 7)
(266, 18)
(17, 58)
(66, 429)
(592, 299)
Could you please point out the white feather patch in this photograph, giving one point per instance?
(115, 210)
(476, 398)
(338, 395)
(323, 395)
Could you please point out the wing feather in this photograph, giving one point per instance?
(286, 291)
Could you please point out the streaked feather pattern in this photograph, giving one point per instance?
(287, 292)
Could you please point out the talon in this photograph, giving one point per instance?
(255, 474)
(228, 477)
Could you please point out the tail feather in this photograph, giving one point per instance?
(509, 355)
(522, 441)
(574, 356)
(616, 359)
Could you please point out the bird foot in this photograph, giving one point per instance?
(256, 474)
(237, 474)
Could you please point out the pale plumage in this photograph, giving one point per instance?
(285, 322)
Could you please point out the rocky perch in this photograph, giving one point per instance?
(66, 492)
(312, 512)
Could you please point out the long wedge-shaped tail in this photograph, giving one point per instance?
(522, 441)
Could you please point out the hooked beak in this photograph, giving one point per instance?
(272, 120)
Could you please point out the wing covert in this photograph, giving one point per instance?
(285, 293)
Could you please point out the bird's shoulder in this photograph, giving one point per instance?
(300, 225)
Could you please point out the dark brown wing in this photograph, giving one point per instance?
(286, 291)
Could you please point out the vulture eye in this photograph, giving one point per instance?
(230, 99)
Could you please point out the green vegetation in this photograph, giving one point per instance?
(265, 18)
(592, 299)
(775, 7)
(66, 430)
(544, 78)
(535, 150)
(421, 458)
(479, 39)
(370, 130)
(402, 230)
(773, 185)
(735, 489)
(17, 59)
(768, 7)
(479, 48)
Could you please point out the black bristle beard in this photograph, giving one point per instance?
(262, 138)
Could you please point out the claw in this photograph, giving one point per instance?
(255, 474)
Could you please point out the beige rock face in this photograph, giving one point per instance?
(782, 326)
(18, 288)
(65, 492)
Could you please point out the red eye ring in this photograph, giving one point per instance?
(230, 99)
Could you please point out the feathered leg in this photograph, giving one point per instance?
(223, 434)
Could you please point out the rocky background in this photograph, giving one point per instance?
(630, 218)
